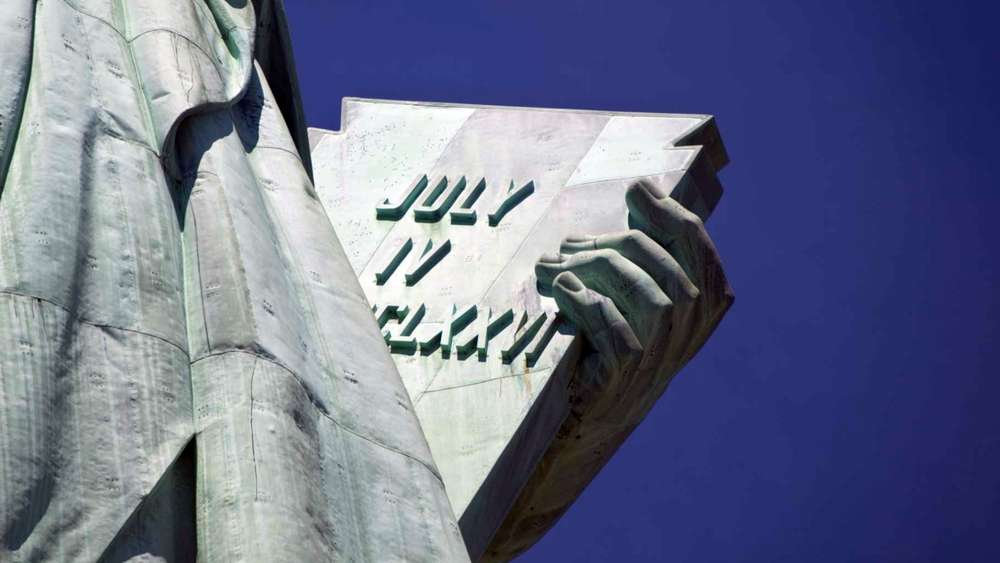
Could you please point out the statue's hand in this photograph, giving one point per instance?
(646, 300)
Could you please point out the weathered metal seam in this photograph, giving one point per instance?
(320, 409)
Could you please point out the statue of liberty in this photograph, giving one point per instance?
(188, 366)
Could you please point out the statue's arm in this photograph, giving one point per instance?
(645, 301)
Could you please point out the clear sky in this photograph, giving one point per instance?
(848, 408)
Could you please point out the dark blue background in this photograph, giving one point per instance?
(848, 409)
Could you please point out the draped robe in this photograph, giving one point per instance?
(187, 362)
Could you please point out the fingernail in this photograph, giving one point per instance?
(569, 282)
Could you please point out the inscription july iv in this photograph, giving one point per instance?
(468, 330)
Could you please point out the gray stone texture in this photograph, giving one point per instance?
(176, 313)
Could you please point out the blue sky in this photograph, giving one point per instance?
(848, 408)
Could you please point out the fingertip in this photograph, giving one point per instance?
(545, 274)
(640, 200)
(571, 298)
(568, 281)
(578, 243)
(546, 269)
(636, 192)
(650, 187)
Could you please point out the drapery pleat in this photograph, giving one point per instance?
(186, 360)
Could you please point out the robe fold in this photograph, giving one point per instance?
(188, 366)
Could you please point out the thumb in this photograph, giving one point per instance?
(600, 322)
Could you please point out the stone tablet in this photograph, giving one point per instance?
(443, 211)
